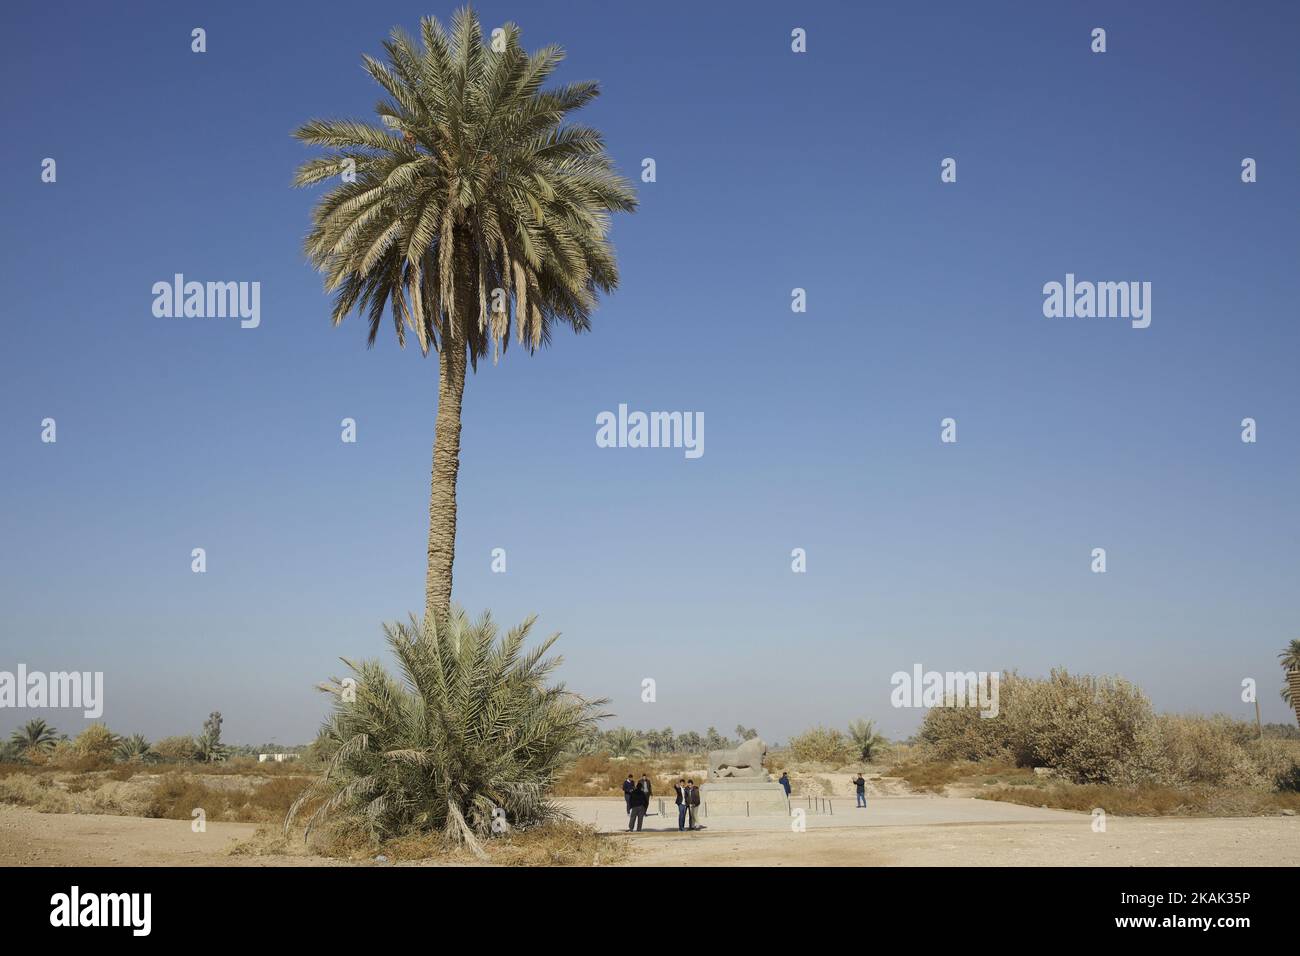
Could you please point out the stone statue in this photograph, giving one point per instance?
(743, 763)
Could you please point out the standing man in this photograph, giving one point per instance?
(683, 800)
(860, 785)
(640, 803)
(693, 802)
(785, 782)
(628, 787)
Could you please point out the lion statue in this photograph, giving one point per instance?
(745, 762)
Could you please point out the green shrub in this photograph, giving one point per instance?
(472, 725)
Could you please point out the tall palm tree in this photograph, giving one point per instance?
(474, 208)
(1290, 660)
(35, 735)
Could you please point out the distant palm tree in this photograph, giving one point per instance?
(714, 740)
(469, 729)
(690, 742)
(473, 207)
(1290, 660)
(132, 748)
(624, 743)
(864, 737)
(35, 735)
(585, 746)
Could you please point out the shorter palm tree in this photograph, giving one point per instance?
(35, 735)
(587, 745)
(132, 748)
(470, 730)
(864, 737)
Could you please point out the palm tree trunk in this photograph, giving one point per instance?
(442, 492)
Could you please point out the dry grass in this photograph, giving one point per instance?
(936, 776)
(558, 844)
(141, 790)
(177, 795)
(1148, 801)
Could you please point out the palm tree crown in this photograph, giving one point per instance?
(473, 207)
(35, 735)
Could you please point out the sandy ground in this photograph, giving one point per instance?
(928, 830)
(1269, 841)
(608, 815)
(28, 838)
(906, 831)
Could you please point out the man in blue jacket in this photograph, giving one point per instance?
(683, 801)
(628, 787)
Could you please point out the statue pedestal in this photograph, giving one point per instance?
(742, 798)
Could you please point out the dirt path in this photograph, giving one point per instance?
(608, 814)
(28, 838)
(1266, 841)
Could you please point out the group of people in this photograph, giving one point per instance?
(637, 793)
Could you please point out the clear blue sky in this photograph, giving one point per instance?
(775, 170)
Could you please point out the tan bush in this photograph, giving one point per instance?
(822, 745)
(61, 754)
(1211, 750)
(1278, 761)
(96, 742)
(1089, 729)
(176, 748)
(1095, 730)
(960, 733)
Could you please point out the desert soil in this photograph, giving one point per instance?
(28, 838)
(1268, 841)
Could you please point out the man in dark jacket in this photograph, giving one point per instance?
(860, 786)
(785, 782)
(628, 787)
(682, 801)
(692, 802)
(640, 804)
